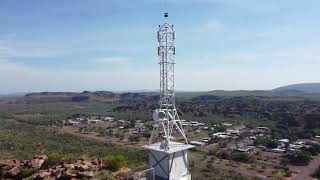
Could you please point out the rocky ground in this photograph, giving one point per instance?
(37, 169)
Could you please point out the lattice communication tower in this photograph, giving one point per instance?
(166, 117)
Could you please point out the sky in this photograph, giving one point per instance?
(77, 45)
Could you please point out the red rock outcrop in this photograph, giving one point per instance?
(78, 170)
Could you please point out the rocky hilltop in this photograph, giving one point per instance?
(37, 168)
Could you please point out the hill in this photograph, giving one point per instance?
(303, 87)
(85, 96)
(256, 93)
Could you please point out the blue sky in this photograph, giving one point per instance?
(78, 45)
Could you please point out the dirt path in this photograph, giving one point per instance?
(306, 171)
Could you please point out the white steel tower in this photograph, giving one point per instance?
(167, 158)
(166, 117)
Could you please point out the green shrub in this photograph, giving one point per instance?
(114, 162)
(298, 158)
(105, 175)
(25, 172)
(312, 150)
(57, 158)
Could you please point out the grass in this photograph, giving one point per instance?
(212, 173)
(22, 141)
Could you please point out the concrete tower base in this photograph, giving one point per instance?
(171, 164)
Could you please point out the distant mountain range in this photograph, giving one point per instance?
(303, 87)
(296, 90)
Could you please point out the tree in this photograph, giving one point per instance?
(312, 150)
(241, 157)
(272, 144)
(266, 142)
(298, 158)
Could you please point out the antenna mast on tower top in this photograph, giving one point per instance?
(166, 14)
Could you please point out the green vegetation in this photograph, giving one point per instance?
(298, 158)
(105, 175)
(236, 156)
(302, 157)
(266, 141)
(212, 173)
(23, 141)
(32, 126)
(57, 158)
(241, 157)
(114, 162)
(312, 150)
(134, 138)
(25, 172)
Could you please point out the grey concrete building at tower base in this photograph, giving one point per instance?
(171, 164)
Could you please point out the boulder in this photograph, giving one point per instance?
(36, 163)
(87, 174)
(56, 170)
(44, 157)
(82, 167)
(24, 163)
(10, 168)
(69, 166)
(96, 164)
(14, 171)
(122, 173)
(9, 163)
(42, 175)
(71, 173)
